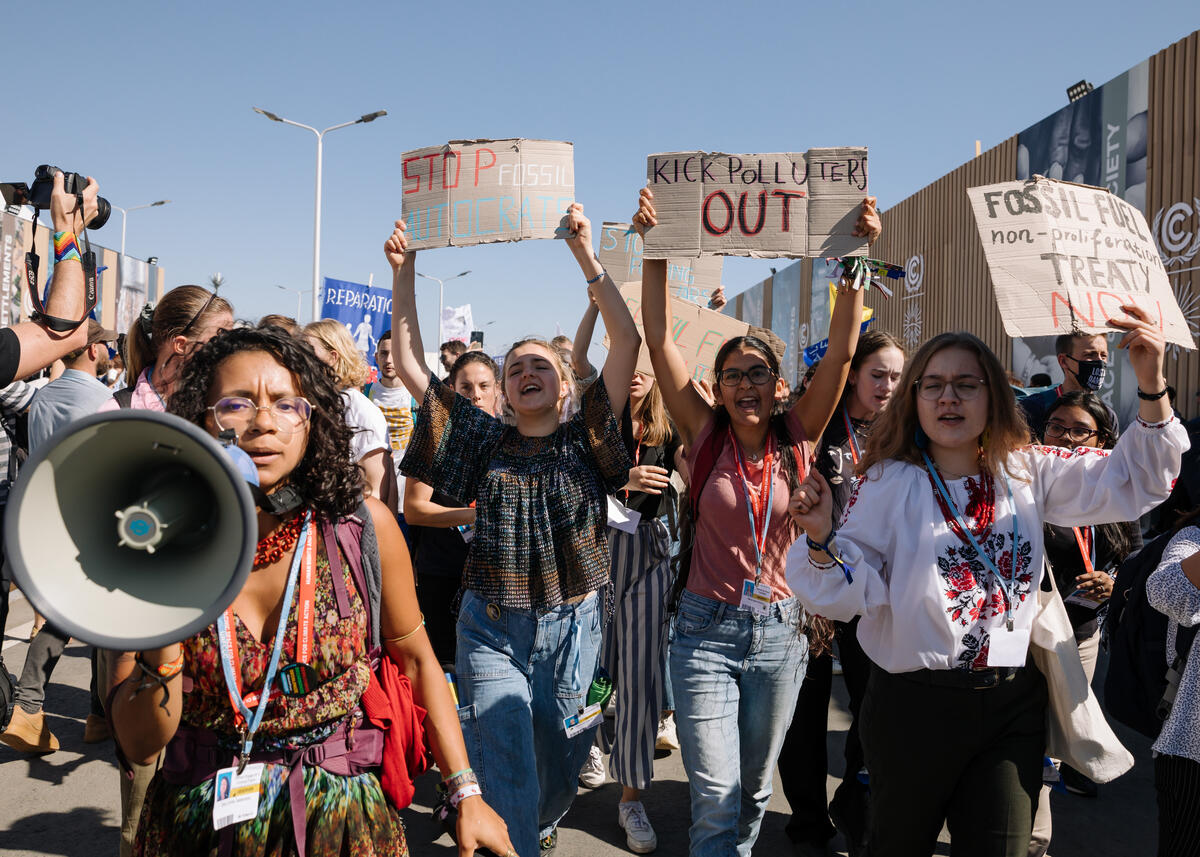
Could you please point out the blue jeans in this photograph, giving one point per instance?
(520, 673)
(736, 678)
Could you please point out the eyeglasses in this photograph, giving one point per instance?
(965, 388)
(758, 375)
(236, 413)
(201, 312)
(1075, 434)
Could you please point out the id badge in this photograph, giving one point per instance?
(1008, 648)
(582, 721)
(756, 597)
(621, 517)
(235, 796)
(1083, 598)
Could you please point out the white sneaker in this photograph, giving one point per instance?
(639, 835)
(592, 776)
(668, 738)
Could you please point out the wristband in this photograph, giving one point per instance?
(461, 780)
(65, 248)
(1152, 397)
(596, 278)
(470, 790)
(848, 571)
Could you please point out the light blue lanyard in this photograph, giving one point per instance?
(253, 721)
(760, 543)
(983, 557)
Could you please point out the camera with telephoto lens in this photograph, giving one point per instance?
(38, 194)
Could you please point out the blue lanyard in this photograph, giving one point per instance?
(983, 557)
(253, 721)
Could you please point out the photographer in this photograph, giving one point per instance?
(31, 345)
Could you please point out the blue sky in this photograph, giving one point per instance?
(154, 99)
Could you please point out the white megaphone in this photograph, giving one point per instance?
(130, 530)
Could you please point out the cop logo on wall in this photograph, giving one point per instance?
(914, 280)
(1176, 231)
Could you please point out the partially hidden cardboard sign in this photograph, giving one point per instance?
(763, 205)
(1064, 257)
(483, 191)
(691, 279)
(699, 333)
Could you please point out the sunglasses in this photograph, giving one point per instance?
(199, 313)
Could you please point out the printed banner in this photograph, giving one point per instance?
(698, 332)
(13, 232)
(483, 191)
(366, 311)
(769, 205)
(1064, 257)
(693, 279)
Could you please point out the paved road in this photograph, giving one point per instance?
(66, 803)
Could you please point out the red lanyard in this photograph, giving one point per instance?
(855, 454)
(305, 617)
(758, 503)
(1084, 540)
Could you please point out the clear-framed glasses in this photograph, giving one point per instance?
(965, 387)
(758, 376)
(236, 413)
(1075, 434)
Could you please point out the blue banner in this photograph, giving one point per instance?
(366, 311)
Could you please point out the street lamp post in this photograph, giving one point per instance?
(125, 211)
(441, 298)
(299, 297)
(369, 117)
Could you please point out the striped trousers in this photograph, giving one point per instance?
(1177, 781)
(634, 647)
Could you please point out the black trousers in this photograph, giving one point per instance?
(1177, 781)
(971, 758)
(804, 760)
(436, 596)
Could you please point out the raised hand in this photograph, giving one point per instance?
(579, 229)
(396, 247)
(65, 211)
(869, 225)
(645, 216)
(1145, 344)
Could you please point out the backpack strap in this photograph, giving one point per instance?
(706, 460)
(355, 535)
(124, 397)
(335, 566)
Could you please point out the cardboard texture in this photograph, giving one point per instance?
(484, 191)
(690, 279)
(763, 205)
(698, 332)
(1065, 256)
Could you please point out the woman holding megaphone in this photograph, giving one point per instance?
(278, 705)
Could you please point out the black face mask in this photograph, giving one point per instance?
(1090, 373)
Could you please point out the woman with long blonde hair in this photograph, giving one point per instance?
(369, 444)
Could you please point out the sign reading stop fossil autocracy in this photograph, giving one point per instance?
(764, 205)
(691, 279)
(1064, 257)
(482, 191)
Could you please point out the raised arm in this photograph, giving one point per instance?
(815, 408)
(407, 350)
(623, 338)
(421, 511)
(580, 364)
(40, 346)
(686, 406)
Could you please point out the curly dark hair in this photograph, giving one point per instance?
(326, 477)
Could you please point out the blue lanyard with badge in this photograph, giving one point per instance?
(756, 596)
(1008, 649)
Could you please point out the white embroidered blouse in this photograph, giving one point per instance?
(926, 599)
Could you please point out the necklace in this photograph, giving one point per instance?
(272, 547)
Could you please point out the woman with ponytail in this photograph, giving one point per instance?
(162, 339)
(738, 649)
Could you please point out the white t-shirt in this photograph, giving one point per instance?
(367, 423)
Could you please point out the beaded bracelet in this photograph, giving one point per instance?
(65, 248)
(596, 278)
(157, 676)
(465, 792)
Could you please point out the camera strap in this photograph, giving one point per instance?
(87, 259)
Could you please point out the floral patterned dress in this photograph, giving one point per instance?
(346, 815)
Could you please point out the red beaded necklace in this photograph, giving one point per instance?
(981, 506)
(283, 539)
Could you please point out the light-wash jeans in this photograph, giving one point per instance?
(520, 673)
(736, 678)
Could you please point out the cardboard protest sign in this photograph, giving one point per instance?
(690, 279)
(1064, 257)
(698, 332)
(781, 204)
(483, 191)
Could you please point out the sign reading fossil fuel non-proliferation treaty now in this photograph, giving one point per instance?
(1064, 257)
